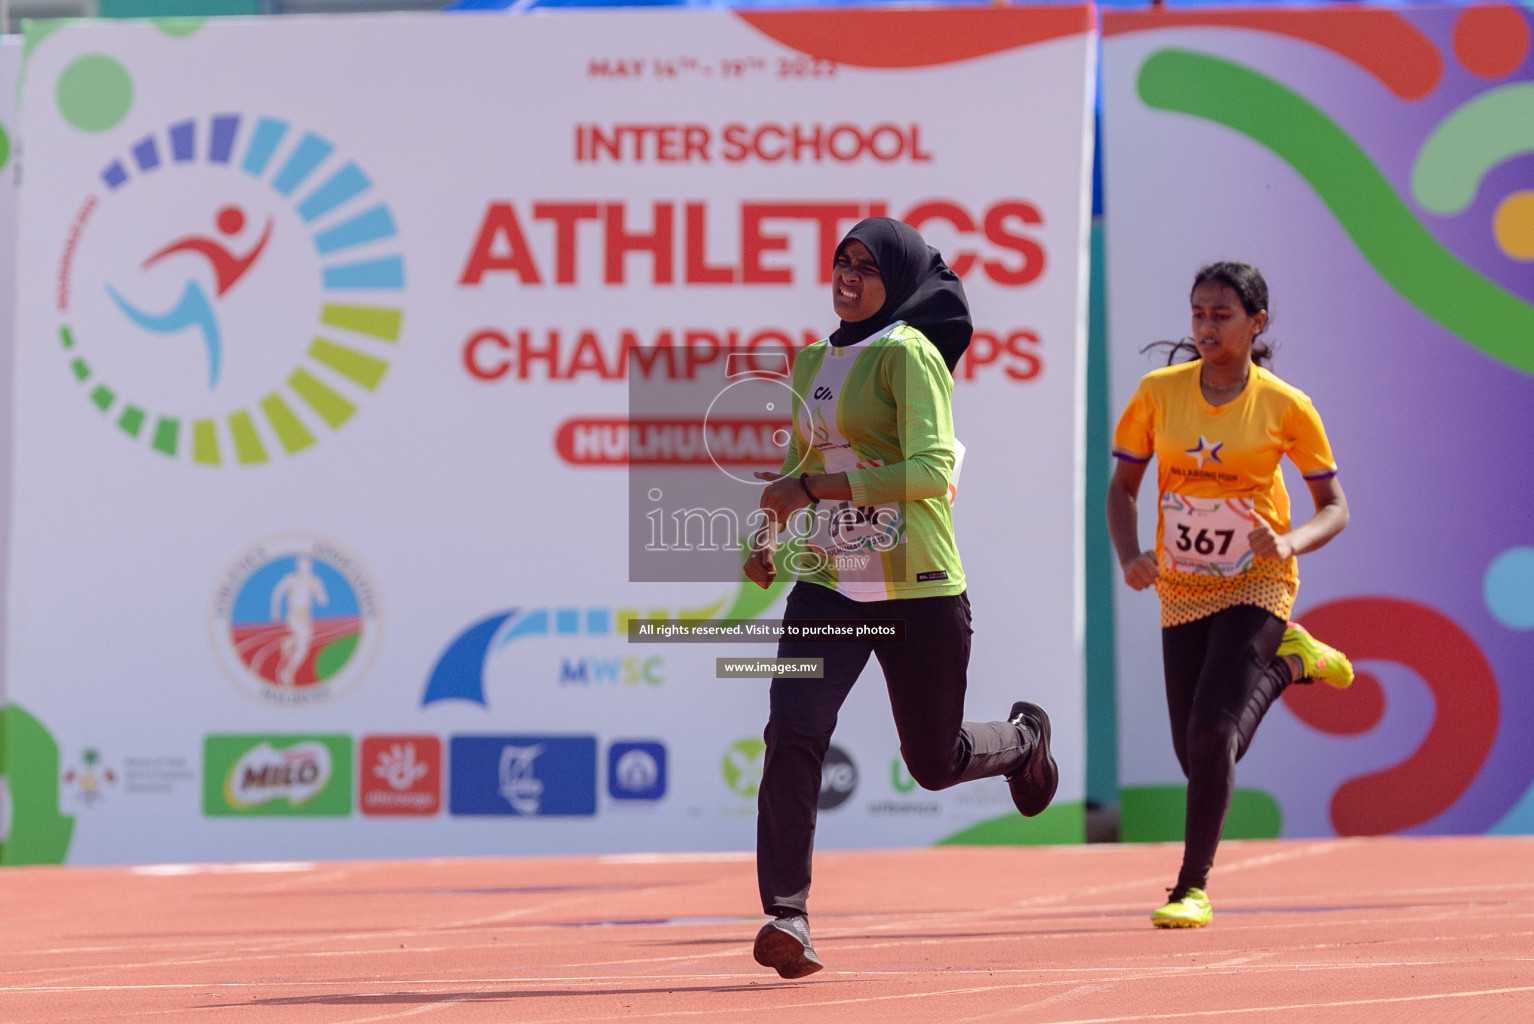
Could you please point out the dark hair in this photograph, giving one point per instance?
(1248, 284)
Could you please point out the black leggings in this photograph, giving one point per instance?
(926, 677)
(1220, 680)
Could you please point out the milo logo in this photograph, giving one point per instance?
(277, 775)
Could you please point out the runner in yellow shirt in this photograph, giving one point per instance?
(1224, 560)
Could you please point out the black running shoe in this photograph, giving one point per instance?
(1033, 785)
(784, 945)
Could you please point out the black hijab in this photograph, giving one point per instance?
(918, 288)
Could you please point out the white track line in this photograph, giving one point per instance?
(456, 999)
(1065, 976)
(798, 1008)
(1337, 1004)
(412, 1012)
(828, 940)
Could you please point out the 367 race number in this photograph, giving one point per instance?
(1204, 542)
(1208, 536)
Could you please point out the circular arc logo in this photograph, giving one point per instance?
(177, 293)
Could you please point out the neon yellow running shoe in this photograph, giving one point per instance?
(1191, 911)
(1321, 662)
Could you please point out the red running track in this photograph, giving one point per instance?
(1351, 930)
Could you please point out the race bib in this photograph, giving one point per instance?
(1207, 536)
(851, 540)
(869, 528)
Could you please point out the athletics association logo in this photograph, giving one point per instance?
(230, 290)
(295, 621)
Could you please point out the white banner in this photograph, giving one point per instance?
(321, 512)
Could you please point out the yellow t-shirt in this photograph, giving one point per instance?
(1217, 469)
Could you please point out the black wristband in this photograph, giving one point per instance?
(804, 481)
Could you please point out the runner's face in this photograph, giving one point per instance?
(1222, 330)
(857, 289)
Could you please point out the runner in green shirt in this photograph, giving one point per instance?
(874, 458)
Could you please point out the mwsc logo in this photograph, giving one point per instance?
(461, 669)
(232, 292)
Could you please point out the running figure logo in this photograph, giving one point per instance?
(295, 621)
(298, 591)
(229, 290)
(194, 309)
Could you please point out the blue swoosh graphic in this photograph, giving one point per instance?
(460, 673)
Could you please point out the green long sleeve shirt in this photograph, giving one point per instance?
(880, 412)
